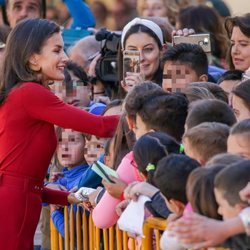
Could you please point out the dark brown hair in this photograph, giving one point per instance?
(204, 19)
(243, 22)
(200, 191)
(243, 92)
(216, 90)
(27, 38)
(231, 180)
(209, 111)
(124, 140)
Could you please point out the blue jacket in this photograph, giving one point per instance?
(70, 180)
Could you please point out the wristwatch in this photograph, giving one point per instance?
(245, 217)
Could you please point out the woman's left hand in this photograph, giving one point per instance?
(115, 189)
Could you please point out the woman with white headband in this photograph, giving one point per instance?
(146, 37)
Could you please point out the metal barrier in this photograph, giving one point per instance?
(82, 234)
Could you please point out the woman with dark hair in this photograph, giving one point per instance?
(204, 19)
(34, 58)
(238, 30)
(146, 37)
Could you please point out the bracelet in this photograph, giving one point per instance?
(245, 218)
(122, 196)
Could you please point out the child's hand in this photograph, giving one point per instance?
(56, 176)
(115, 189)
(121, 207)
(134, 190)
(54, 208)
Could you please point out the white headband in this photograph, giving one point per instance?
(149, 24)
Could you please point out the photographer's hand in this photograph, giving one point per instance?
(91, 71)
(131, 80)
(183, 32)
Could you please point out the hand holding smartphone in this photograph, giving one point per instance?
(131, 64)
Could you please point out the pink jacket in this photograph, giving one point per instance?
(104, 214)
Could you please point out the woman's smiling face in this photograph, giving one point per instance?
(149, 52)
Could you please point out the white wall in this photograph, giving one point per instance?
(239, 7)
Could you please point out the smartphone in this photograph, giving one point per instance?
(131, 62)
(200, 39)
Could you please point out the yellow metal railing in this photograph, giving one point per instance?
(82, 234)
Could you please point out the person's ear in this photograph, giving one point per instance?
(203, 78)
(33, 63)
(177, 206)
(131, 122)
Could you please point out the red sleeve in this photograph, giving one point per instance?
(41, 104)
(56, 197)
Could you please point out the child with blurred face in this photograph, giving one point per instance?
(70, 151)
(183, 64)
(75, 88)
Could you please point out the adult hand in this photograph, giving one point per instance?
(92, 66)
(56, 187)
(134, 190)
(183, 32)
(198, 231)
(56, 176)
(131, 79)
(115, 189)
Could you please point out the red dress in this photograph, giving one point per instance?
(28, 141)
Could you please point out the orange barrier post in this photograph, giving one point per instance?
(150, 225)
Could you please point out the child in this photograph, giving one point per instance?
(149, 149)
(171, 178)
(75, 89)
(238, 141)
(241, 100)
(200, 191)
(169, 109)
(216, 90)
(143, 94)
(228, 183)
(70, 154)
(209, 111)
(183, 64)
(229, 80)
(206, 140)
(223, 159)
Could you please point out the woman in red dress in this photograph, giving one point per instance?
(28, 111)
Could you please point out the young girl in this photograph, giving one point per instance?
(70, 154)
